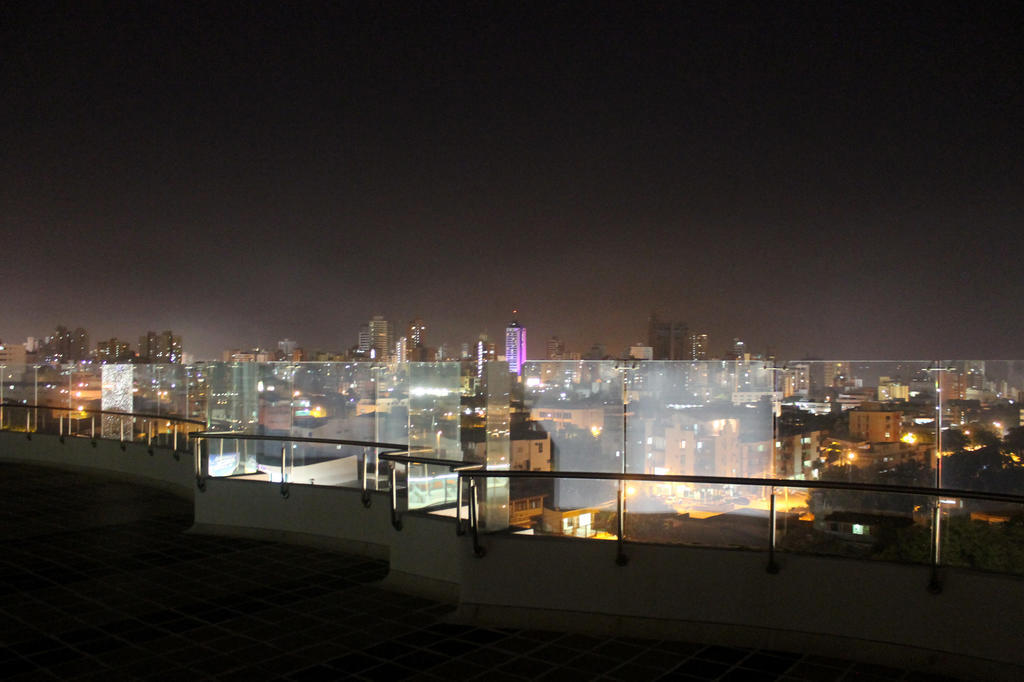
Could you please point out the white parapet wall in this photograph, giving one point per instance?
(310, 514)
(162, 468)
(422, 556)
(863, 610)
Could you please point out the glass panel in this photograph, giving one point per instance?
(433, 429)
(701, 418)
(882, 526)
(531, 512)
(697, 514)
(982, 438)
(857, 421)
(983, 535)
(232, 401)
(577, 407)
(117, 396)
(196, 392)
(525, 449)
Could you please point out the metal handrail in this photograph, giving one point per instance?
(756, 482)
(476, 472)
(423, 459)
(365, 444)
(119, 413)
(238, 435)
(457, 466)
(31, 407)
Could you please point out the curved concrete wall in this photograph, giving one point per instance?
(160, 469)
(854, 609)
(862, 610)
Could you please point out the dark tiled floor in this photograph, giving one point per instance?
(98, 581)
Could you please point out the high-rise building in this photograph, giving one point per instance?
(164, 347)
(515, 345)
(113, 352)
(485, 352)
(382, 342)
(12, 354)
(738, 350)
(555, 349)
(417, 333)
(364, 340)
(698, 346)
(667, 339)
(67, 346)
(402, 349)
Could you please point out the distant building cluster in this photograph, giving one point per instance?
(68, 345)
(382, 340)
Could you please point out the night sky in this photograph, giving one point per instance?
(827, 179)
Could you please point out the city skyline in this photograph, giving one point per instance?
(825, 180)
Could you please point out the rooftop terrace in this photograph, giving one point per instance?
(101, 580)
(869, 511)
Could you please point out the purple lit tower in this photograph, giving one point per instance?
(515, 345)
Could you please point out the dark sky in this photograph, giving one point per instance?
(835, 179)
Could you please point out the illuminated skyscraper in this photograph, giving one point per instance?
(382, 344)
(484, 353)
(515, 345)
(417, 333)
(698, 346)
(162, 347)
(364, 340)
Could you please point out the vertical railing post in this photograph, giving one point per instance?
(934, 583)
(284, 464)
(175, 437)
(773, 567)
(366, 490)
(459, 529)
(92, 427)
(395, 521)
(200, 479)
(620, 557)
(474, 518)
(60, 425)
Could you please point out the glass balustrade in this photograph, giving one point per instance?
(954, 424)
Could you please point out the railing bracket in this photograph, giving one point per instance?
(93, 443)
(621, 559)
(124, 446)
(366, 499)
(285, 491)
(201, 483)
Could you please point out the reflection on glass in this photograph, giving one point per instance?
(858, 421)
(433, 430)
(867, 525)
